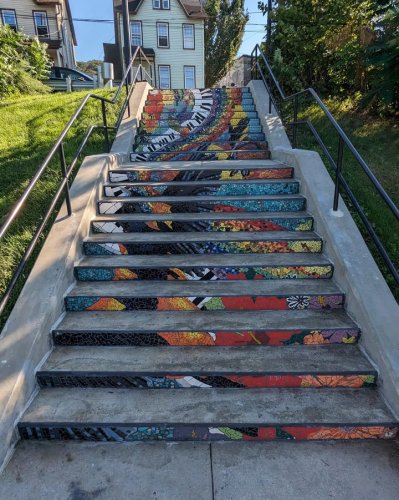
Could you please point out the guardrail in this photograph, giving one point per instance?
(261, 69)
(127, 83)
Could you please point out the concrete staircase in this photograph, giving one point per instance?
(204, 274)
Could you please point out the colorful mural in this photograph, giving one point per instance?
(210, 339)
(185, 126)
(205, 225)
(223, 303)
(150, 432)
(195, 381)
(204, 247)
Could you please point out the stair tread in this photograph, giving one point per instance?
(189, 237)
(221, 406)
(208, 260)
(202, 165)
(203, 216)
(272, 360)
(200, 182)
(201, 288)
(199, 198)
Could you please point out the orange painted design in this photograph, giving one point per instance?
(354, 433)
(121, 274)
(106, 304)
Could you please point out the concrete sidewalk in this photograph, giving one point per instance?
(200, 471)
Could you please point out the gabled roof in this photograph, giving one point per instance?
(193, 8)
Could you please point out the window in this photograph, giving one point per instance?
(164, 77)
(9, 18)
(189, 77)
(161, 4)
(41, 23)
(188, 36)
(137, 34)
(163, 35)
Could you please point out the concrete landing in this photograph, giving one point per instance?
(221, 471)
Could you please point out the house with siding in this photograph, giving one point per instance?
(49, 20)
(171, 34)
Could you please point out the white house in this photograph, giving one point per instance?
(49, 20)
(171, 33)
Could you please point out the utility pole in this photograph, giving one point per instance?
(269, 27)
(127, 37)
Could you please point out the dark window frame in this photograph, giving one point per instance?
(36, 27)
(161, 6)
(193, 25)
(15, 15)
(141, 31)
(195, 75)
(170, 76)
(163, 46)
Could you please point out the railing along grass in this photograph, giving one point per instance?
(29, 127)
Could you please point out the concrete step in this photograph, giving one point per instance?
(201, 243)
(204, 267)
(202, 204)
(216, 414)
(146, 139)
(215, 328)
(205, 295)
(209, 155)
(209, 222)
(199, 188)
(221, 367)
(200, 93)
(196, 145)
(191, 173)
(243, 104)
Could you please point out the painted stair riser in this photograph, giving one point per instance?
(207, 247)
(183, 116)
(204, 273)
(222, 303)
(210, 432)
(272, 224)
(166, 146)
(147, 139)
(240, 105)
(224, 129)
(197, 94)
(231, 188)
(148, 207)
(201, 156)
(199, 175)
(186, 127)
(271, 338)
(206, 106)
(168, 380)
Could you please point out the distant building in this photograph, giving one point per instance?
(240, 73)
(49, 20)
(171, 34)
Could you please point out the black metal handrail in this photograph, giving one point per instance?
(258, 62)
(127, 83)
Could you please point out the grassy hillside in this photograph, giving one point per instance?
(29, 127)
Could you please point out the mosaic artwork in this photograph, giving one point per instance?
(170, 175)
(180, 432)
(205, 273)
(197, 206)
(204, 247)
(144, 138)
(184, 126)
(225, 381)
(231, 188)
(204, 225)
(191, 339)
(224, 303)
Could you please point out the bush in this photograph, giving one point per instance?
(24, 64)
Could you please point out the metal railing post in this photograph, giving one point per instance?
(295, 125)
(105, 123)
(338, 173)
(64, 176)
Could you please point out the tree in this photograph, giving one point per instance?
(224, 31)
(384, 58)
(89, 67)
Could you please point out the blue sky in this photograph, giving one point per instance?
(92, 35)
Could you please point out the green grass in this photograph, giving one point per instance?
(29, 127)
(377, 140)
